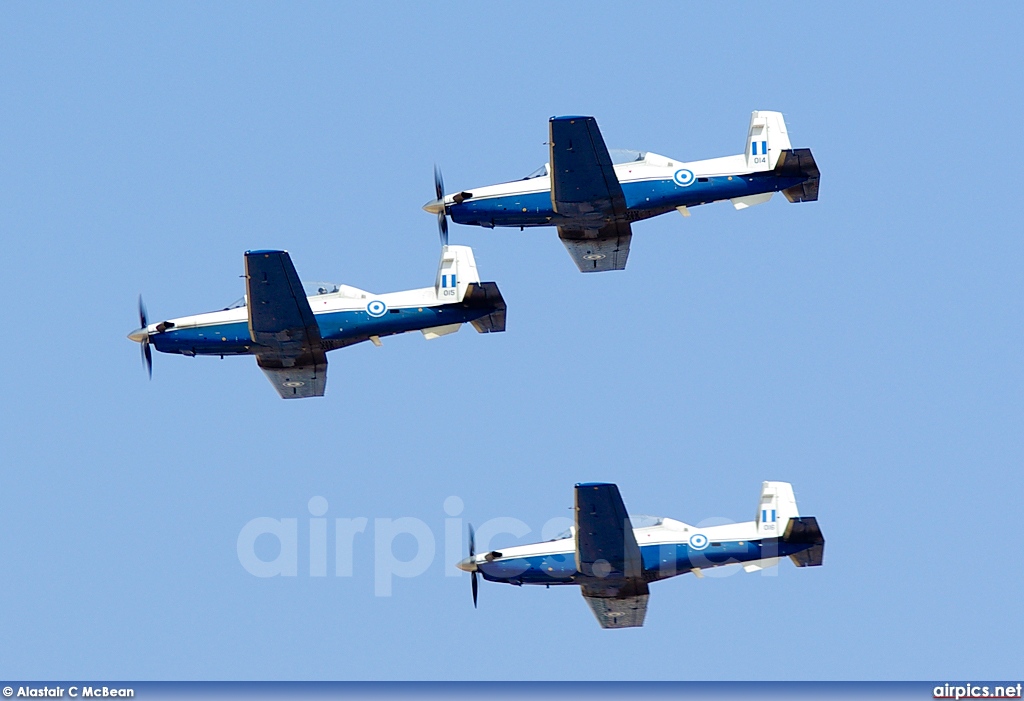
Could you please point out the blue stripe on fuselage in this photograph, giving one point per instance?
(233, 338)
(660, 561)
(646, 197)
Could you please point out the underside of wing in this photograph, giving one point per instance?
(583, 180)
(598, 250)
(281, 324)
(297, 382)
(625, 612)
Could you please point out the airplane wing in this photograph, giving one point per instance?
(598, 250)
(281, 322)
(608, 557)
(605, 545)
(583, 180)
(620, 611)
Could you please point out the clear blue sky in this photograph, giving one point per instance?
(866, 348)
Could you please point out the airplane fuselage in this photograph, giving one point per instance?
(651, 187)
(667, 550)
(342, 320)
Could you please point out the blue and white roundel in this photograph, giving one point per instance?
(684, 177)
(698, 541)
(376, 308)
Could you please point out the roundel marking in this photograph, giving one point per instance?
(684, 177)
(376, 308)
(293, 383)
(594, 256)
(698, 541)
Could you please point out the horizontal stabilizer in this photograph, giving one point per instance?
(751, 200)
(486, 295)
(756, 565)
(804, 529)
(796, 163)
(436, 331)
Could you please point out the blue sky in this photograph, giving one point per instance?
(866, 348)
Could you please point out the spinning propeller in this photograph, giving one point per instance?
(141, 335)
(442, 213)
(147, 352)
(472, 554)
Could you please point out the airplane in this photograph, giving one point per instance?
(290, 329)
(613, 557)
(593, 195)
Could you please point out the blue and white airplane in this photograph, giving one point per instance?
(613, 557)
(593, 195)
(290, 329)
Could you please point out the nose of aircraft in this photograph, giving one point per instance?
(468, 565)
(434, 207)
(139, 335)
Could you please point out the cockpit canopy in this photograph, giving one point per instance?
(619, 155)
(626, 155)
(570, 533)
(539, 173)
(638, 521)
(315, 289)
(312, 289)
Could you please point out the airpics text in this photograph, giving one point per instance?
(261, 537)
(975, 691)
(74, 692)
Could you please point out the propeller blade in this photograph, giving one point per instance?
(147, 352)
(472, 552)
(442, 227)
(442, 215)
(438, 184)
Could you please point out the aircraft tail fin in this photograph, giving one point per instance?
(456, 271)
(767, 138)
(775, 509)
